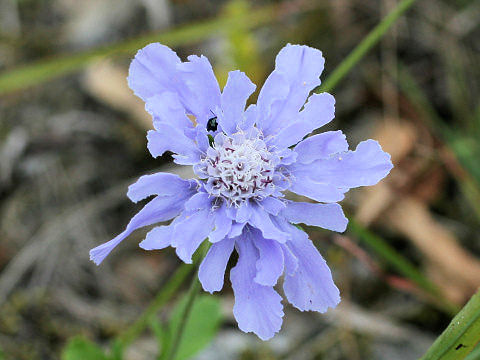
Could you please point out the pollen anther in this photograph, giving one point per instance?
(238, 168)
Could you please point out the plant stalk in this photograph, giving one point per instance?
(192, 295)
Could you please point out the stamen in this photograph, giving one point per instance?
(239, 168)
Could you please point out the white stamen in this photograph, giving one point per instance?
(238, 168)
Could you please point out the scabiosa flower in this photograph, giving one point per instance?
(244, 161)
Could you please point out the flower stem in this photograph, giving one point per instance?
(365, 45)
(191, 296)
(165, 294)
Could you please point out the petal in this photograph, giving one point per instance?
(272, 205)
(201, 137)
(288, 157)
(318, 111)
(167, 108)
(257, 308)
(167, 138)
(303, 185)
(161, 183)
(291, 134)
(157, 69)
(199, 201)
(244, 212)
(212, 268)
(327, 216)
(365, 166)
(236, 229)
(270, 261)
(321, 146)
(290, 260)
(153, 70)
(200, 92)
(233, 99)
(272, 95)
(261, 220)
(223, 225)
(190, 232)
(158, 238)
(249, 118)
(311, 287)
(300, 67)
(162, 208)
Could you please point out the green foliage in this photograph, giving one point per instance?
(461, 338)
(200, 327)
(80, 348)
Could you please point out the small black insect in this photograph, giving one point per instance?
(459, 346)
(212, 123)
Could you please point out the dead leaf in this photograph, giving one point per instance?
(455, 270)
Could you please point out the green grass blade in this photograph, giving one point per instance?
(200, 327)
(461, 337)
(44, 70)
(183, 316)
(400, 264)
(475, 354)
(165, 294)
(365, 45)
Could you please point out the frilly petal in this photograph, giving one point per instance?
(233, 100)
(157, 69)
(297, 72)
(257, 308)
(326, 216)
(190, 232)
(164, 184)
(162, 208)
(212, 269)
(310, 286)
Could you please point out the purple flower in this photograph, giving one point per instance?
(244, 161)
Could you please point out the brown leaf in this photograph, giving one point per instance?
(455, 270)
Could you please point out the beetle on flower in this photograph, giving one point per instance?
(244, 161)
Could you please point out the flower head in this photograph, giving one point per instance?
(244, 161)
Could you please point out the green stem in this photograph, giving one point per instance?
(365, 45)
(192, 295)
(165, 294)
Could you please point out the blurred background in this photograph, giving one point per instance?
(72, 138)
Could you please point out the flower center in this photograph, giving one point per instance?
(238, 168)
